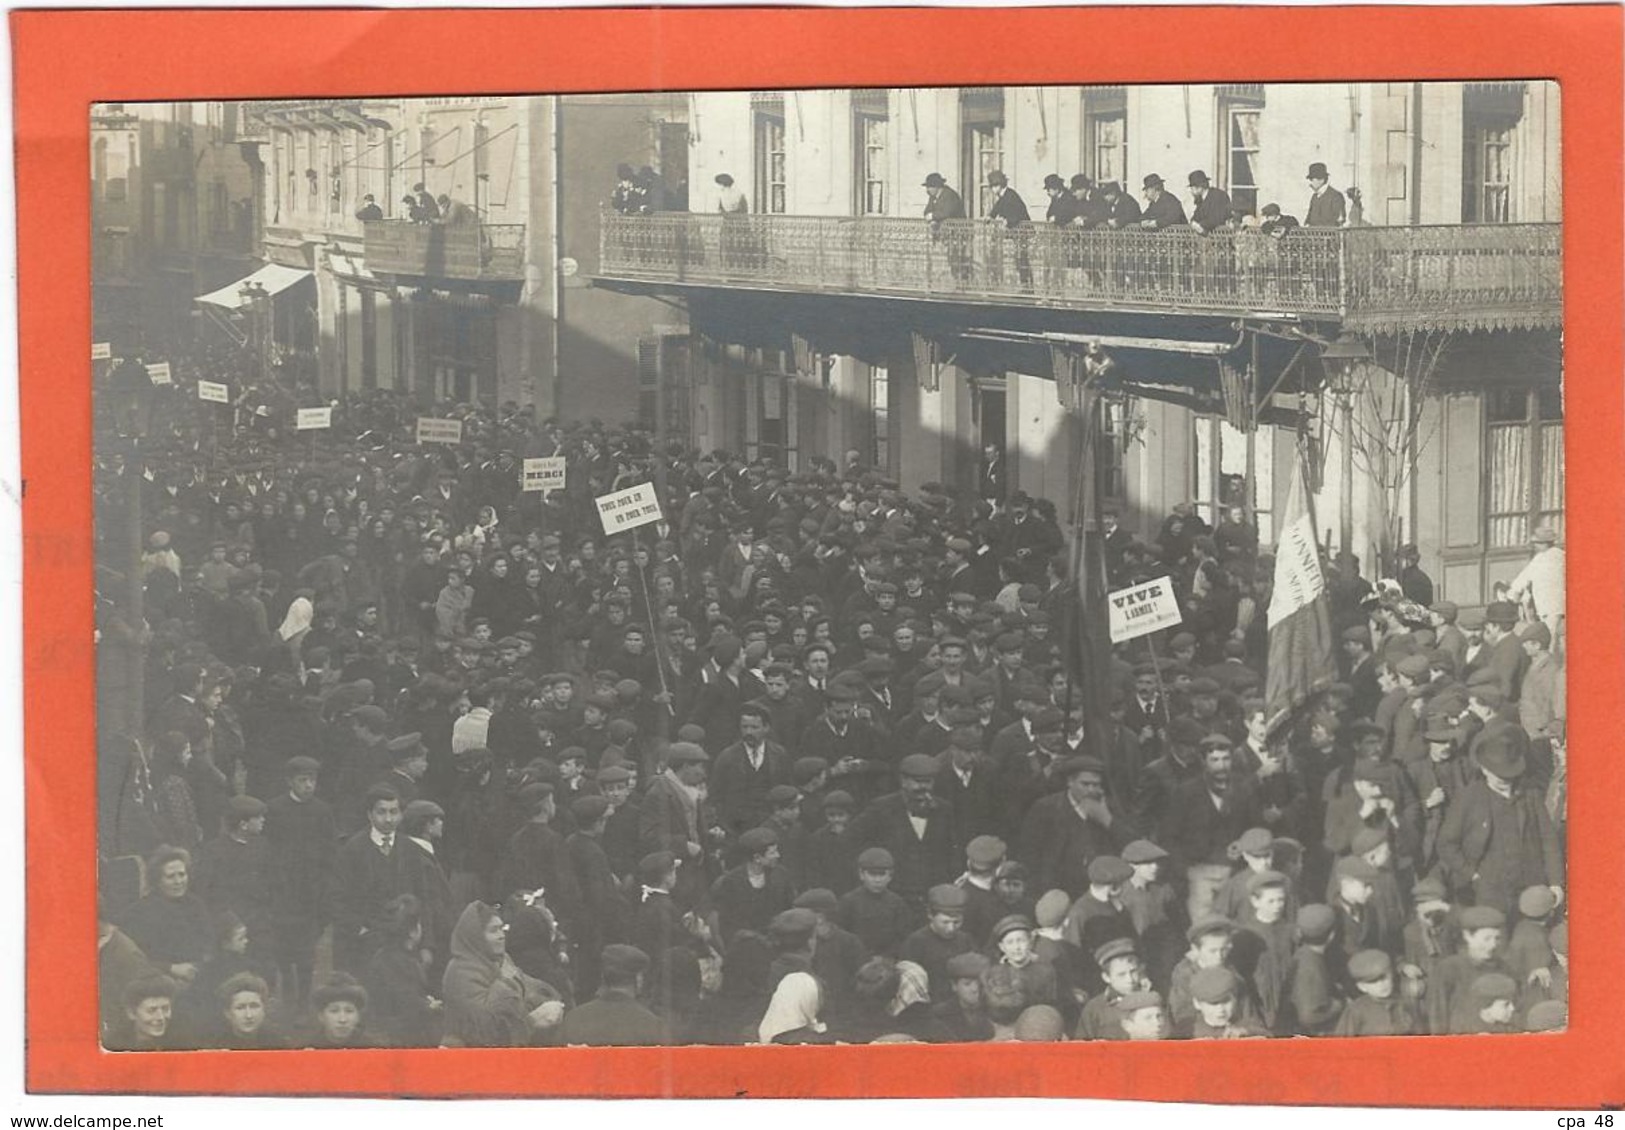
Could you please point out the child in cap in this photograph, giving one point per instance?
(1529, 950)
(879, 916)
(1494, 1006)
(830, 857)
(983, 855)
(1124, 974)
(1450, 1007)
(963, 1017)
(784, 819)
(1098, 915)
(1142, 1016)
(941, 937)
(1074, 976)
(1010, 884)
(1312, 1003)
(1012, 936)
(1210, 940)
(1379, 1008)
(1432, 934)
(1262, 948)
(1386, 903)
(1218, 995)
(1154, 909)
(1255, 850)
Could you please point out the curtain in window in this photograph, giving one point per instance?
(1509, 485)
(1551, 475)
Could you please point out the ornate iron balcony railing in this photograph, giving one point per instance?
(477, 252)
(1463, 276)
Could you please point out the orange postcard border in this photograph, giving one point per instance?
(65, 60)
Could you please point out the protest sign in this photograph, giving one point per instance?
(1142, 609)
(628, 509)
(431, 430)
(543, 474)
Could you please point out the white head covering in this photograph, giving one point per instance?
(794, 1005)
(913, 986)
(300, 614)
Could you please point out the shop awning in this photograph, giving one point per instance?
(274, 277)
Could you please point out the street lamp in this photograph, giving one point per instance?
(131, 393)
(257, 301)
(1339, 358)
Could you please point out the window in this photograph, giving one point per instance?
(1241, 155)
(770, 163)
(335, 176)
(880, 407)
(1490, 116)
(981, 116)
(1105, 142)
(219, 208)
(1524, 442)
(870, 132)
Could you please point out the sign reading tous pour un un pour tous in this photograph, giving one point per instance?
(1142, 609)
(628, 509)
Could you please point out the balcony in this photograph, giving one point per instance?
(463, 252)
(1492, 276)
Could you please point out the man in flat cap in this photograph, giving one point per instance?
(1123, 974)
(915, 828)
(604, 910)
(1380, 1008)
(747, 897)
(1449, 1001)
(962, 1019)
(615, 1017)
(1205, 815)
(940, 939)
(1497, 837)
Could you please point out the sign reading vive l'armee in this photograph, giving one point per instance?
(1142, 609)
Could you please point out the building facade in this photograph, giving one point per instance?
(829, 321)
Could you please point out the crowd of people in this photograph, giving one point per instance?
(427, 760)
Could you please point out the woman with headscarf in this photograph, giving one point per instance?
(488, 1001)
(792, 1013)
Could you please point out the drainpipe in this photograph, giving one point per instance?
(1416, 153)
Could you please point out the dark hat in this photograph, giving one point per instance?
(1366, 839)
(1185, 731)
(1143, 851)
(624, 961)
(1181, 641)
(373, 718)
(965, 737)
(1054, 181)
(1072, 766)
(1011, 869)
(1502, 612)
(532, 795)
(655, 865)
(1429, 890)
(795, 923)
(780, 795)
(342, 987)
(967, 966)
(1135, 1001)
(1152, 180)
(1048, 720)
(1081, 181)
(806, 768)
(1370, 965)
(1545, 534)
(1116, 948)
(1316, 922)
(588, 810)
(1197, 179)
(1354, 867)
(1470, 619)
(946, 896)
(837, 798)
(875, 859)
(1358, 633)
(918, 765)
(1270, 210)
(820, 899)
(1105, 870)
(1009, 923)
(1546, 1016)
(245, 807)
(1317, 171)
(685, 753)
(1254, 841)
(1414, 667)
(1204, 686)
(1259, 880)
(1491, 987)
(1535, 630)
(1107, 188)
(1536, 902)
(933, 180)
(758, 840)
(1211, 924)
(985, 851)
(997, 177)
(614, 775)
(1498, 753)
(1483, 918)
(1214, 986)
(1051, 909)
(422, 810)
(301, 764)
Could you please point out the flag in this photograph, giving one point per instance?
(1301, 659)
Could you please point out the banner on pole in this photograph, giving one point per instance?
(209, 390)
(1142, 609)
(546, 473)
(158, 373)
(431, 430)
(310, 419)
(628, 509)
(101, 350)
(1302, 659)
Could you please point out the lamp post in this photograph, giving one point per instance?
(131, 393)
(257, 300)
(1339, 359)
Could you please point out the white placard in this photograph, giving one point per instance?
(628, 509)
(543, 474)
(101, 350)
(431, 430)
(310, 419)
(209, 390)
(1142, 609)
(158, 373)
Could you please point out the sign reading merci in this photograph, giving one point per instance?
(628, 509)
(546, 473)
(1142, 609)
(431, 430)
(209, 390)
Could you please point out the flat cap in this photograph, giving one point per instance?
(967, 966)
(837, 798)
(758, 840)
(1258, 880)
(1502, 612)
(1370, 965)
(1143, 851)
(1536, 902)
(588, 810)
(1254, 841)
(985, 851)
(1010, 923)
(1211, 924)
(797, 922)
(819, 899)
(1482, 918)
(1072, 766)
(1051, 908)
(374, 718)
(1213, 986)
(783, 794)
(245, 807)
(1106, 870)
(685, 753)
(655, 865)
(875, 859)
(1316, 921)
(1354, 867)
(1110, 951)
(404, 744)
(1429, 890)
(1135, 1001)
(295, 766)
(1488, 987)
(946, 896)
(614, 775)
(1366, 839)
(918, 765)
(624, 961)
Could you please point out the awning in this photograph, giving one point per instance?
(274, 277)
